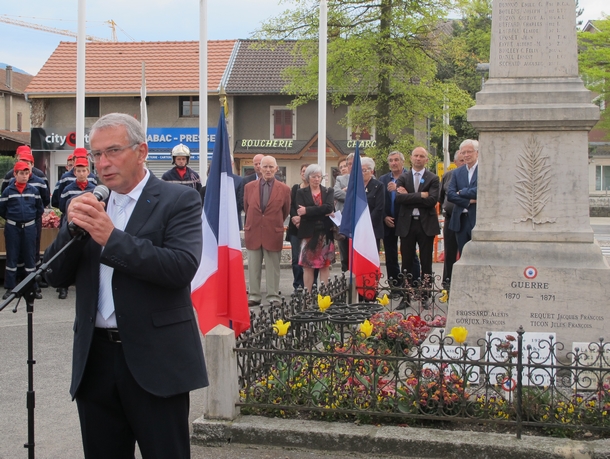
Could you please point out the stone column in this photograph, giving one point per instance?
(223, 392)
(532, 260)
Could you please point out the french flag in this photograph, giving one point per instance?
(357, 226)
(219, 287)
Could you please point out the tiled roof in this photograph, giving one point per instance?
(19, 82)
(16, 136)
(257, 67)
(116, 68)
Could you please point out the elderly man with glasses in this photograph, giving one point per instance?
(137, 351)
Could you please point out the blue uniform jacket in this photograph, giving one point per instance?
(21, 207)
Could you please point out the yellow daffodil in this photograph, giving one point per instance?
(384, 301)
(366, 328)
(281, 327)
(458, 334)
(324, 302)
(444, 297)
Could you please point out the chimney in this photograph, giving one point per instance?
(9, 76)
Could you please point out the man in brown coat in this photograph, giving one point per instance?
(266, 205)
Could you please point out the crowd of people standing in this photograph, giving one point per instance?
(402, 205)
(403, 209)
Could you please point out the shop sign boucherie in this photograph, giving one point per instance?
(258, 143)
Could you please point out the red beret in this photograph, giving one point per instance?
(23, 149)
(80, 161)
(80, 152)
(25, 156)
(21, 166)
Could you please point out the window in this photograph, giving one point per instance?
(92, 107)
(189, 106)
(283, 123)
(364, 135)
(602, 178)
(366, 132)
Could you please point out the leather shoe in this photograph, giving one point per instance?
(253, 303)
(425, 303)
(63, 293)
(38, 295)
(6, 294)
(405, 302)
(43, 284)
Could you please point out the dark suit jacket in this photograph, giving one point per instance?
(248, 178)
(467, 191)
(387, 206)
(154, 261)
(445, 204)
(315, 215)
(266, 230)
(375, 197)
(412, 200)
(238, 183)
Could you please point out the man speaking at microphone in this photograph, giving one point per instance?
(137, 352)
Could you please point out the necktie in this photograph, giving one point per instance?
(416, 178)
(266, 193)
(392, 199)
(105, 302)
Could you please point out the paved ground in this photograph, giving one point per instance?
(57, 429)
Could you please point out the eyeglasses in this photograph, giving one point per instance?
(315, 176)
(109, 153)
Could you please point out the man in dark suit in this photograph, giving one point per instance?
(462, 192)
(267, 205)
(396, 161)
(417, 192)
(449, 237)
(137, 351)
(256, 163)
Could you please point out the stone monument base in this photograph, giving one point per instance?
(561, 288)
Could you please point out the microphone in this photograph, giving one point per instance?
(101, 193)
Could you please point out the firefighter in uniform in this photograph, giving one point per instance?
(181, 173)
(69, 177)
(20, 205)
(79, 186)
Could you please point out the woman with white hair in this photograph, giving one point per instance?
(375, 197)
(314, 204)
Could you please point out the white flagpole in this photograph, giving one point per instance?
(80, 74)
(322, 88)
(143, 107)
(203, 91)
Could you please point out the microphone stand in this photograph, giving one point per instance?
(26, 290)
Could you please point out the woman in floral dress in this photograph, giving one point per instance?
(314, 204)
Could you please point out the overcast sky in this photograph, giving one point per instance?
(143, 20)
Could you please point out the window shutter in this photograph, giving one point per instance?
(288, 124)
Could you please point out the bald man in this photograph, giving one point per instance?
(417, 192)
(256, 163)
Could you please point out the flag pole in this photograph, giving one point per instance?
(322, 57)
(80, 74)
(203, 91)
(356, 163)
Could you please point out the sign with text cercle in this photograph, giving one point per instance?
(169, 137)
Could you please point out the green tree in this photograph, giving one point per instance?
(382, 62)
(594, 66)
(469, 46)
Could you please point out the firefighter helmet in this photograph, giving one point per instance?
(181, 150)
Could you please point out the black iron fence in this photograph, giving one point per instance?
(369, 362)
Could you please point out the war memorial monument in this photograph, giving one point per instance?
(533, 261)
